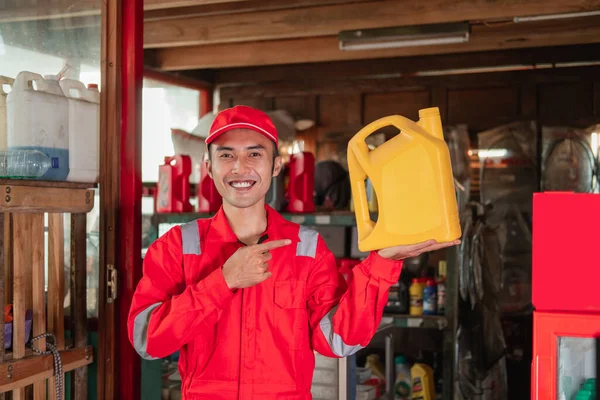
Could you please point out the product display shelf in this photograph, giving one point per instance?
(24, 207)
(439, 322)
(335, 218)
(346, 367)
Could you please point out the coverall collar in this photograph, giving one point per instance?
(222, 230)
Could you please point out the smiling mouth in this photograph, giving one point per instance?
(241, 185)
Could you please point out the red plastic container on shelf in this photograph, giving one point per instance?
(209, 199)
(301, 170)
(173, 187)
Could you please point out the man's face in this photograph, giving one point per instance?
(242, 166)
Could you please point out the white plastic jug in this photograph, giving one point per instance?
(84, 130)
(38, 119)
(4, 81)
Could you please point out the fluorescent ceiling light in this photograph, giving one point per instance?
(489, 153)
(404, 36)
(555, 16)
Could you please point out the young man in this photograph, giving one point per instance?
(246, 296)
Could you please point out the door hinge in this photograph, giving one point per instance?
(111, 283)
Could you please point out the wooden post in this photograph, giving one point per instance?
(3, 268)
(39, 292)
(56, 285)
(22, 277)
(78, 299)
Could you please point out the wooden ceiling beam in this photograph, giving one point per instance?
(323, 49)
(401, 65)
(237, 8)
(329, 20)
(166, 4)
(56, 9)
(344, 86)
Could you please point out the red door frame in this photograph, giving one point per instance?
(130, 194)
(547, 328)
(128, 369)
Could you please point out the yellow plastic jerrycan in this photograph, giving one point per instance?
(413, 182)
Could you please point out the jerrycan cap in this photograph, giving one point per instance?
(429, 112)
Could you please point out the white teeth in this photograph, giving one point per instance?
(241, 184)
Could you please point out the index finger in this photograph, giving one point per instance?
(272, 245)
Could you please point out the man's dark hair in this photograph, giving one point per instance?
(275, 153)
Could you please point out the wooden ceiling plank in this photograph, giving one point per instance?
(323, 49)
(404, 65)
(238, 7)
(329, 20)
(165, 4)
(58, 9)
(493, 79)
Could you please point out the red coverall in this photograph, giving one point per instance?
(258, 342)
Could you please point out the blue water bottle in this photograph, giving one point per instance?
(430, 298)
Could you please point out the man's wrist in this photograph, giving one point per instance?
(228, 282)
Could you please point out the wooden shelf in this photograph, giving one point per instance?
(37, 196)
(26, 371)
(331, 218)
(28, 352)
(438, 322)
(45, 184)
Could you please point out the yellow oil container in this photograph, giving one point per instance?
(423, 385)
(412, 178)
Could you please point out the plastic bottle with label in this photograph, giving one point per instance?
(23, 164)
(430, 298)
(441, 288)
(402, 386)
(416, 297)
(423, 385)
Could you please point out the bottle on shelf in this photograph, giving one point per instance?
(84, 130)
(423, 385)
(416, 297)
(402, 386)
(376, 367)
(441, 288)
(38, 119)
(173, 187)
(430, 298)
(23, 164)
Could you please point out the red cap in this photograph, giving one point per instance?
(242, 117)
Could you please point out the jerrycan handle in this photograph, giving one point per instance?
(72, 88)
(25, 80)
(359, 194)
(358, 141)
(5, 81)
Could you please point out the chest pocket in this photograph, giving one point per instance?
(290, 313)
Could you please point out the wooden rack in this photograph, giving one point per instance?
(23, 205)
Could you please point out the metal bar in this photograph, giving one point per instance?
(389, 364)
(449, 373)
